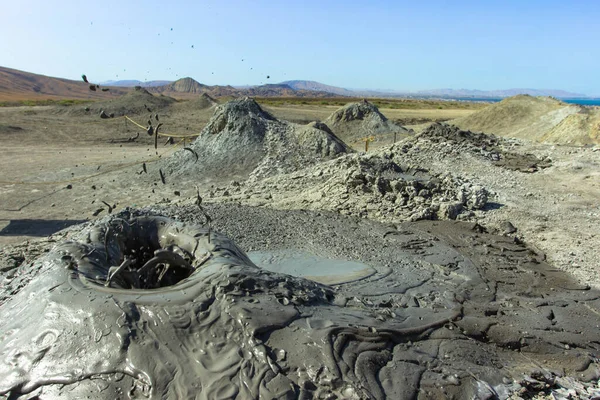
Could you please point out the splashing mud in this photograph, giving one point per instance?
(449, 311)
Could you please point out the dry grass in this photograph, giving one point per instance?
(387, 103)
(402, 111)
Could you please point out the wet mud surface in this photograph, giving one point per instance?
(450, 312)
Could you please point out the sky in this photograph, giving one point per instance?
(385, 44)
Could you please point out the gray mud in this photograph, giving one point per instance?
(355, 121)
(450, 311)
(329, 271)
(250, 141)
(491, 147)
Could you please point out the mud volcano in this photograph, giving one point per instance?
(357, 120)
(449, 312)
(246, 139)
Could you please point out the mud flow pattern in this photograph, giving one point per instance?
(432, 310)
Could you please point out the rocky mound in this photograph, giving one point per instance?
(442, 140)
(357, 120)
(137, 101)
(372, 186)
(537, 119)
(183, 85)
(202, 102)
(241, 138)
(205, 101)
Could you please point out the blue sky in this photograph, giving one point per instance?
(400, 45)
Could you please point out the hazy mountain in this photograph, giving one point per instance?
(133, 82)
(189, 88)
(319, 87)
(18, 85)
(447, 93)
(465, 93)
(183, 85)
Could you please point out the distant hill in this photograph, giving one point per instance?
(133, 82)
(137, 101)
(183, 85)
(319, 87)
(542, 119)
(188, 88)
(466, 93)
(18, 85)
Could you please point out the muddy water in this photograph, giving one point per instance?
(305, 265)
(449, 311)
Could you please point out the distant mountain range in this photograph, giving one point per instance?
(316, 86)
(133, 83)
(189, 88)
(19, 85)
(467, 93)
(301, 85)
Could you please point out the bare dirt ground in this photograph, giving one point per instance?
(555, 209)
(62, 166)
(46, 148)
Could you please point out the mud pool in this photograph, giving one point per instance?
(446, 310)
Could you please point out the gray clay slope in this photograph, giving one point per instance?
(450, 311)
(358, 120)
(241, 137)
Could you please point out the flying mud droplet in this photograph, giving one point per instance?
(84, 78)
(156, 136)
(134, 138)
(110, 208)
(192, 151)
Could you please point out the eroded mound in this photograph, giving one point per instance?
(137, 101)
(202, 102)
(357, 120)
(450, 312)
(450, 140)
(241, 138)
(370, 185)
